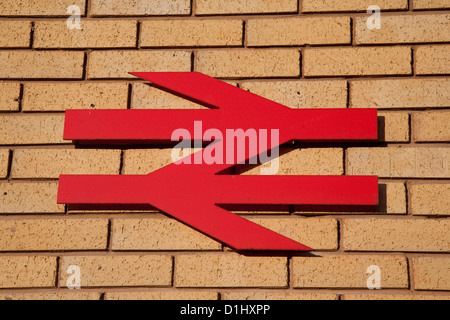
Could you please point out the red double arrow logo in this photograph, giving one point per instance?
(198, 194)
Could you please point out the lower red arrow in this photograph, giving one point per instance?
(192, 193)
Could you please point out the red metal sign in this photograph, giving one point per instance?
(196, 194)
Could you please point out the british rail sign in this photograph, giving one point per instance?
(196, 191)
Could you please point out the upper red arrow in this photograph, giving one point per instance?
(192, 193)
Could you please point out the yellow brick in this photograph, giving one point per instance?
(51, 296)
(431, 273)
(395, 198)
(396, 235)
(420, 162)
(396, 127)
(413, 296)
(118, 64)
(15, 34)
(31, 129)
(431, 4)
(53, 234)
(162, 295)
(430, 199)
(29, 198)
(316, 233)
(298, 31)
(392, 200)
(147, 97)
(404, 29)
(27, 272)
(120, 271)
(140, 7)
(400, 93)
(431, 126)
(433, 59)
(158, 234)
(316, 161)
(277, 296)
(350, 5)
(4, 163)
(39, 8)
(302, 94)
(41, 64)
(50, 163)
(64, 96)
(93, 34)
(348, 271)
(357, 61)
(139, 162)
(230, 270)
(245, 63)
(209, 7)
(191, 33)
(9, 96)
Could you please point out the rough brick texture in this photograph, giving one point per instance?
(431, 273)
(348, 271)
(158, 234)
(50, 163)
(15, 34)
(147, 97)
(396, 127)
(355, 61)
(301, 94)
(180, 33)
(404, 29)
(430, 199)
(400, 93)
(39, 8)
(276, 32)
(306, 54)
(140, 7)
(396, 235)
(27, 271)
(433, 59)
(400, 162)
(127, 271)
(64, 96)
(4, 163)
(432, 126)
(118, 64)
(41, 64)
(9, 96)
(31, 129)
(162, 295)
(230, 270)
(277, 296)
(209, 7)
(431, 4)
(93, 34)
(54, 234)
(241, 63)
(315, 161)
(51, 296)
(29, 197)
(350, 5)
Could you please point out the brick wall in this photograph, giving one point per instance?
(304, 54)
